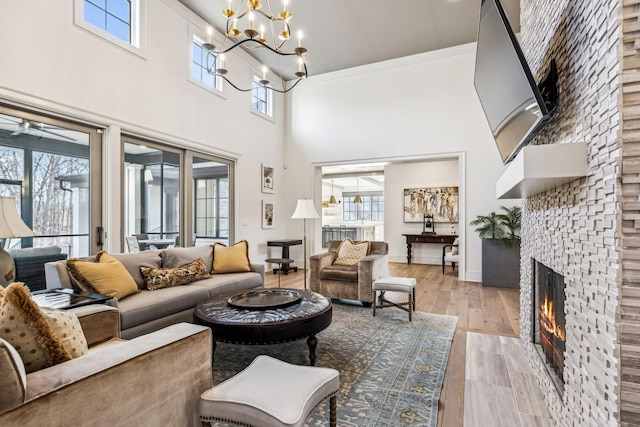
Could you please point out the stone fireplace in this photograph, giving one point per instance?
(588, 230)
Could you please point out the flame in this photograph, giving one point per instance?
(548, 319)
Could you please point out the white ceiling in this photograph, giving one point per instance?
(342, 34)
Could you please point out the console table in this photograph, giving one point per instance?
(447, 239)
(284, 244)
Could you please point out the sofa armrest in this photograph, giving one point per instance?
(259, 268)
(56, 275)
(99, 322)
(316, 264)
(371, 268)
(155, 379)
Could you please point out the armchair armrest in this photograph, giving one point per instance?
(155, 379)
(99, 322)
(316, 264)
(371, 268)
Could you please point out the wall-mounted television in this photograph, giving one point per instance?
(514, 105)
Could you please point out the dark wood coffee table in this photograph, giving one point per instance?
(234, 325)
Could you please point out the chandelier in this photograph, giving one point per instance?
(250, 27)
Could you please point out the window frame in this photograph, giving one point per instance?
(138, 43)
(269, 101)
(367, 206)
(196, 35)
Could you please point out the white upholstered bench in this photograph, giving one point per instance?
(269, 393)
(394, 284)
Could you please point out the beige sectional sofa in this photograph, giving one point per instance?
(152, 380)
(148, 311)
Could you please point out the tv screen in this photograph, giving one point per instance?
(508, 93)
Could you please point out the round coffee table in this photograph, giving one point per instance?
(230, 324)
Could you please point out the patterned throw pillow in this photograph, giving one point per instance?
(42, 336)
(231, 260)
(105, 275)
(349, 253)
(158, 278)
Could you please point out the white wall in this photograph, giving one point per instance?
(410, 108)
(397, 177)
(52, 65)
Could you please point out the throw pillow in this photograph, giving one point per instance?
(105, 275)
(231, 260)
(158, 278)
(177, 257)
(454, 248)
(42, 336)
(13, 377)
(349, 253)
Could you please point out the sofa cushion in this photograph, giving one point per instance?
(234, 259)
(13, 378)
(347, 273)
(134, 260)
(105, 276)
(177, 257)
(350, 253)
(42, 336)
(226, 283)
(146, 306)
(158, 278)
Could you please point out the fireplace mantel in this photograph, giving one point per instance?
(539, 168)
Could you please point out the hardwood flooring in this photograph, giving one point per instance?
(492, 311)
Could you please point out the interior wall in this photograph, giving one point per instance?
(412, 108)
(435, 173)
(54, 66)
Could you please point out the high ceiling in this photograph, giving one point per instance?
(341, 34)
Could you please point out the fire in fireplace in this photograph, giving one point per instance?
(549, 319)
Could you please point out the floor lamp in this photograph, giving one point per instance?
(304, 211)
(11, 225)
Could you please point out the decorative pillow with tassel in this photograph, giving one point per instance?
(42, 336)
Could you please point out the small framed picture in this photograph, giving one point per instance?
(267, 214)
(267, 178)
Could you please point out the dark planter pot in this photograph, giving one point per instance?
(500, 264)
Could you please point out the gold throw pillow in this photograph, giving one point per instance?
(231, 260)
(42, 336)
(105, 275)
(158, 278)
(349, 253)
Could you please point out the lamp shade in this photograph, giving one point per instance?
(305, 210)
(11, 225)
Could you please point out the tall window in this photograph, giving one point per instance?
(113, 16)
(261, 98)
(371, 209)
(200, 62)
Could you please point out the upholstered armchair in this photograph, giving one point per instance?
(347, 281)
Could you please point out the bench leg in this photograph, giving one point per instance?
(333, 406)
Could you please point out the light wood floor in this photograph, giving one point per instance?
(486, 310)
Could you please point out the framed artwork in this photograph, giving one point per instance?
(267, 178)
(267, 214)
(441, 202)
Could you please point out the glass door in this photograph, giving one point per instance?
(53, 169)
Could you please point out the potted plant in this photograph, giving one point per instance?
(500, 247)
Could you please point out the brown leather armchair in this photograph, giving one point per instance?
(346, 281)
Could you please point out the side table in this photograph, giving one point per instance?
(63, 298)
(285, 244)
(283, 263)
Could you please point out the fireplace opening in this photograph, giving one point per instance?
(549, 332)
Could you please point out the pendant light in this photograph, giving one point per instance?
(357, 200)
(332, 199)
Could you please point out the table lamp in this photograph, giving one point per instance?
(304, 211)
(11, 225)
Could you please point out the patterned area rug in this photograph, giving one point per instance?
(391, 370)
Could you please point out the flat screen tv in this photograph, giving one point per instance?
(512, 102)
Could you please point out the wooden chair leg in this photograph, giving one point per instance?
(333, 409)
